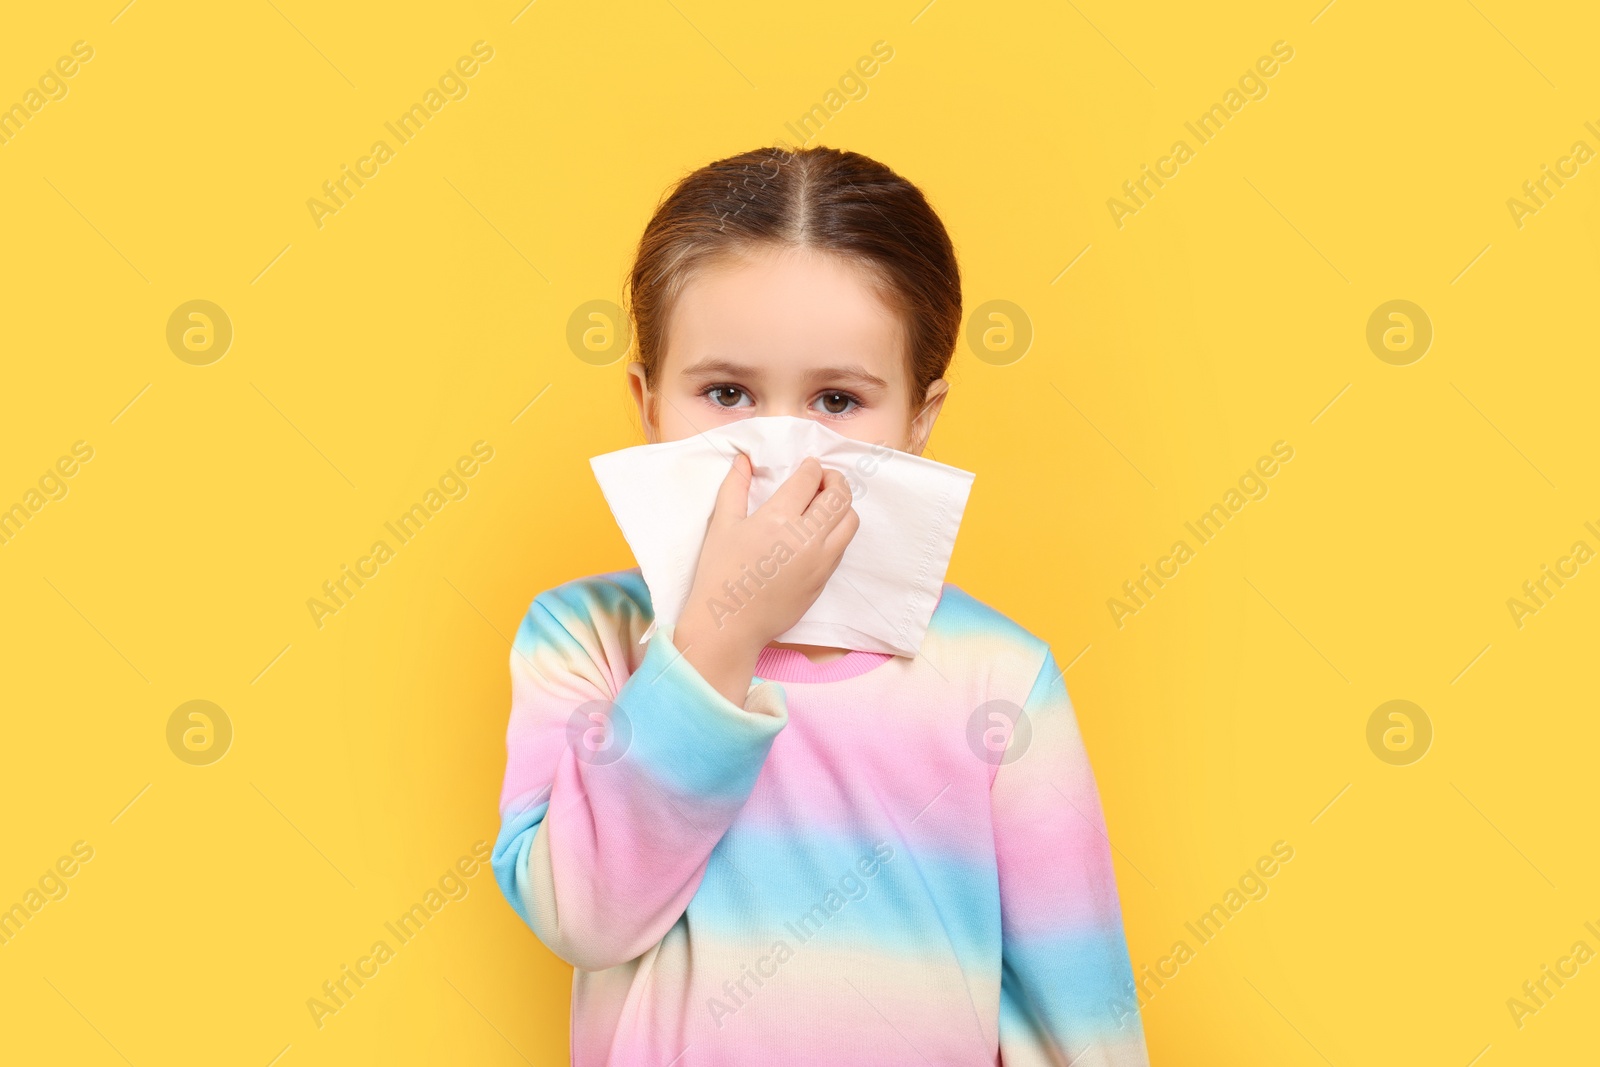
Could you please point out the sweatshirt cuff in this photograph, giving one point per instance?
(688, 735)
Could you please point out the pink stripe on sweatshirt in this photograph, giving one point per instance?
(875, 860)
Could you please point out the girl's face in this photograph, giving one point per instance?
(788, 331)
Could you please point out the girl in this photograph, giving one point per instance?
(769, 854)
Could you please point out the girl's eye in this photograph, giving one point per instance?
(837, 403)
(724, 396)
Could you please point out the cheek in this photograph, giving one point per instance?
(683, 414)
(891, 428)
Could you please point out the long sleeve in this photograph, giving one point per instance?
(1066, 993)
(614, 797)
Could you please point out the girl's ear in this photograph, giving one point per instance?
(643, 399)
(922, 423)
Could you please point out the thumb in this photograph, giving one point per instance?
(733, 498)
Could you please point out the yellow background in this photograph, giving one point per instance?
(1229, 313)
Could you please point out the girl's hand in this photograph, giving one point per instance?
(747, 589)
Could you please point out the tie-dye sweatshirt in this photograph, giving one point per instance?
(876, 860)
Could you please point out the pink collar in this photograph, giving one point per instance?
(790, 665)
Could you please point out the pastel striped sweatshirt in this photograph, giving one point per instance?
(877, 860)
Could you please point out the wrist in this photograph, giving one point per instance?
(713, 643)
(726, 663)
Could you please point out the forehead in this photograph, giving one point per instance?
(787, 307)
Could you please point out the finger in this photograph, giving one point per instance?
(733, 497)
(831, 503)
(838, 539)
(797, 490)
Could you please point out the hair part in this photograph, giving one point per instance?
(827, 199)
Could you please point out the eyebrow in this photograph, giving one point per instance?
(852, 372)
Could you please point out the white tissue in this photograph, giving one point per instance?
(891, 576)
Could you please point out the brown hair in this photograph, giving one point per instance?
(824, 198)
